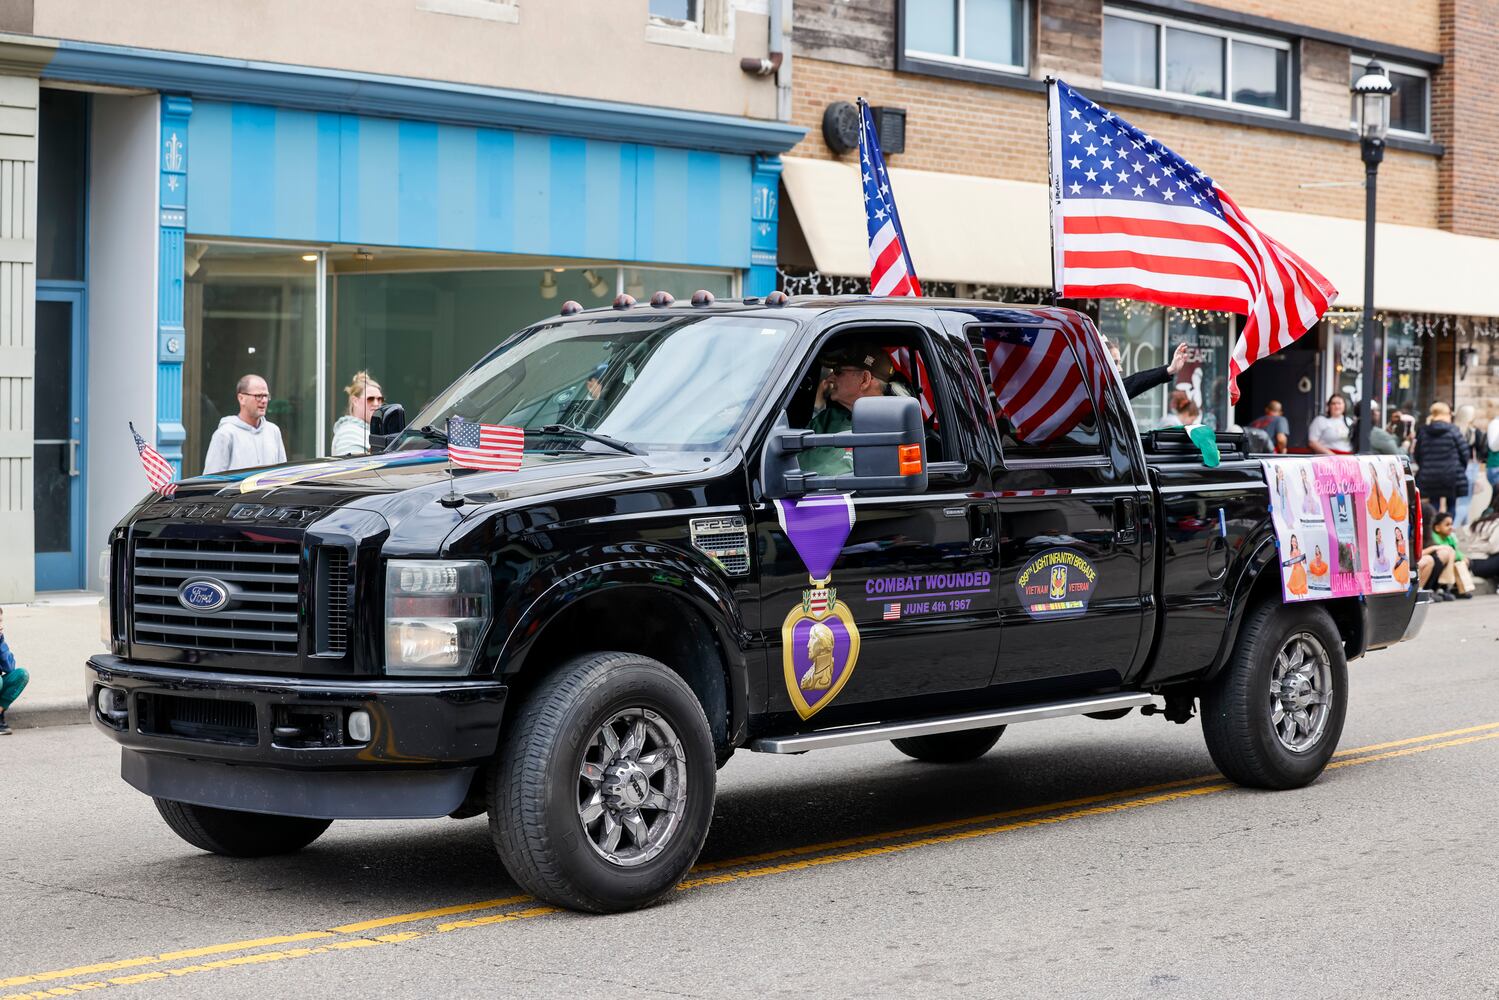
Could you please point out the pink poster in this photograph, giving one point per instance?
(1341, 525)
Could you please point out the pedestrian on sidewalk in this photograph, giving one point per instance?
(1441, 457)
(12, 678)
(246, 440)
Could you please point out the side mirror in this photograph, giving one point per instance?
(888, 442)
(385, 423)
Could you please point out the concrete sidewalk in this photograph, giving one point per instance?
(51, 638)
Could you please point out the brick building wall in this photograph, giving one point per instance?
(988, 131)
(1466, 119)
(1411, 23)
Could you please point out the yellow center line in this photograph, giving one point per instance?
(795, 858)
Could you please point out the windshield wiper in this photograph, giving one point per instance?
(604, 439)
(433, 434)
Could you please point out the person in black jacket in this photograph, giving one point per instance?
(1441, 457)
(1149, 378)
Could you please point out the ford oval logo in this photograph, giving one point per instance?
(202, 595)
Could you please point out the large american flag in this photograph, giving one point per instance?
(159, 473)
(1045, 369)
(495, 447)
(890, 270)
(1131, 219)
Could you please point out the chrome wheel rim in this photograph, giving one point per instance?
(632, 787)
(1301, 692)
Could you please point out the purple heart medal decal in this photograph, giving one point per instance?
(819, 641)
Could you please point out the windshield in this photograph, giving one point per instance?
(683, 383)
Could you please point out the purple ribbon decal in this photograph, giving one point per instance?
(817, 526)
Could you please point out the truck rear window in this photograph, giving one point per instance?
(1042, 398)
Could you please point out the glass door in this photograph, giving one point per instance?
(58, 467)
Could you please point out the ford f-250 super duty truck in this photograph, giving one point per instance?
(774, 525)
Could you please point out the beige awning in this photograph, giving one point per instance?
(995, 232)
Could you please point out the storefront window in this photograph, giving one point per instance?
(1136, 328)
(1403, 366)
(1204, 377)
(249, 310)
(1147, 335)
(414, 320)
(1348, 365)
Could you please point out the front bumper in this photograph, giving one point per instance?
(427, 739)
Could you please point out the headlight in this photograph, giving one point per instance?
(435, 610)
(106, 623)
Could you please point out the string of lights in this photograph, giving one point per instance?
(813, 282)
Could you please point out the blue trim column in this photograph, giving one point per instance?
(170, 335)
(765, 198)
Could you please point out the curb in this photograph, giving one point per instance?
(24, 715)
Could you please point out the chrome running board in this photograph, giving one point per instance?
(880, 731)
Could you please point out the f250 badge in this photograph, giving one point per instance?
(819, 640)
(1058, 583)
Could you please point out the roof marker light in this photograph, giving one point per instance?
(702, 297)
(662, 299)
(776, 299)
(571, 307)
(623, 301)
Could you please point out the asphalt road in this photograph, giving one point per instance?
(1078, 858)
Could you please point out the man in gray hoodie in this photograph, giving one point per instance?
(246, 440)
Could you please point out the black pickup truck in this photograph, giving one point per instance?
(776, 525)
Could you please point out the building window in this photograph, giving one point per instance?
(1410, 107)
(1196, 62)
(987, 33)
(679, 12)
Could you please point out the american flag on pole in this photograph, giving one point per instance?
(495, 447)
(890, 270)
(159, 472)
(1041, 368)
(1131, 219)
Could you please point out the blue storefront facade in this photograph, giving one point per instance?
(311, 224)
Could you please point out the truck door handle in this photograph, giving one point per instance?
(981, 527)
(1126, 528)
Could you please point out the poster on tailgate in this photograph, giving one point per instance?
(1341, 522)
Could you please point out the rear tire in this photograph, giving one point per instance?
(236, 834)
(1272, 718)
(950, 748)
(604, 789)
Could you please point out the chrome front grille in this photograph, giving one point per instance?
(334, 594)
(260, 616)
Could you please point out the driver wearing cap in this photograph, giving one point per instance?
(858, 371)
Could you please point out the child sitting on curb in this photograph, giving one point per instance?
(12, 678)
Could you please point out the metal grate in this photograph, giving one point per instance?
(725, 540)
(261, 577)
(335, 596)
(207, 719)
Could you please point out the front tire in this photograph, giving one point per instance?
(604, 789)
(1273, 717)
(236, 834)
(950, 748)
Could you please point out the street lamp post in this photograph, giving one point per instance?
(1371, 92)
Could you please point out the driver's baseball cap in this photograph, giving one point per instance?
(874, 360)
